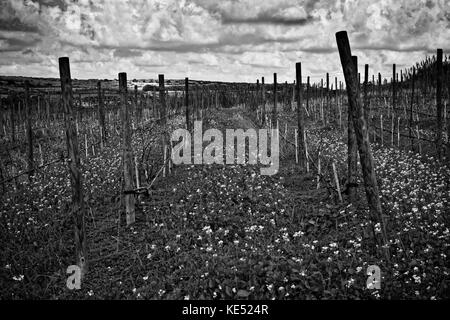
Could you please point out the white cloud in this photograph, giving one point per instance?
(216, 39)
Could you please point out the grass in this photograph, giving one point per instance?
(226, 232)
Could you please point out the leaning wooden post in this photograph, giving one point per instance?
(127, 151)
(352, 147)
(101, 112)
(162, 98)
(365, 152)
(300, 116)
(78, 209)
(186, 102)
(274, 110)
(30, 159)
(439, 76)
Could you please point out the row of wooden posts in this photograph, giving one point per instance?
(128, 159)
(357, 128)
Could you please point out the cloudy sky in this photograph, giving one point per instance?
(229, 40)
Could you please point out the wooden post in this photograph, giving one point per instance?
(29, 132)
(318, 170)
(307, 93)
(263, 101)
(300, 116)
(186, 102)
(365, 152)
(12, 115)
(78, 208)
(41, 156)
(135, 104)
(256, 96)
(336, 180)
(86, 147)
(411, 109)
(101, 112)
(439, 76)
(306, 150)
(136, 172)
(327, 99)
(392, 129)
(352, 148)
(162, 98)
(127, 151)
(155, 115)
(418, 138)
(379, 86)
(366, 94)
(393, 88)
(340, 106)
(335, 110)
(274, 110)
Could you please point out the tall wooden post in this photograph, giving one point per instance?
(127, 151)
(361, 132)
(162, 98)
(300, 116)
(274, 110)
(263, 100)
(352, 147)
(101, 112)
(328, 109)
(307, 93)
(186, 102)
(393, 88)
(256, 96)
(366, 93)
(439, 76)
(411, 108)
(379, 86)
(29, 131)
(78, 208)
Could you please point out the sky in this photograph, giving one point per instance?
(225, 40)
